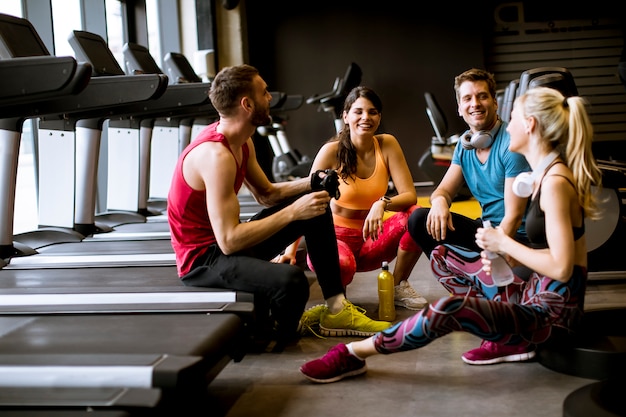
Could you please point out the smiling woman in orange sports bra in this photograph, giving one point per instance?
(366, 162)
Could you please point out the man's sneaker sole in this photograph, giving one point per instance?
(343, 332)
(338, 377)
(518, 357)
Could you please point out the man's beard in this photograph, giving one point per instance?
(261, 117)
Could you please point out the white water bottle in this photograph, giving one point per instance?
(501, 272)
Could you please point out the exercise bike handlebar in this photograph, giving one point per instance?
(341, 87)
(318, 98)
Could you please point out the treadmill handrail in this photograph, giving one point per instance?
(21, 80)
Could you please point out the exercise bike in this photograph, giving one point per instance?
(332, 101)
(436, 159)
(287, 162)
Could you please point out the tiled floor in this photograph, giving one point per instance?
(432, 381)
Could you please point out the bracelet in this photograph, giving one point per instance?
(387, 201)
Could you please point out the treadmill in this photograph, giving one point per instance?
(53, 275)
(145, 361)
(114, 270)
(155, 251)
(78, 402)
(65, 78)
(82, 94)
(209, 345)
(161, 139)
(179, 70)
(175, 132)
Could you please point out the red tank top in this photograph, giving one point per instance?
(189, 221)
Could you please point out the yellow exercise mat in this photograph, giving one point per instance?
(469, 207)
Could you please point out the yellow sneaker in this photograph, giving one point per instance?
(310, 320)
(351, 321)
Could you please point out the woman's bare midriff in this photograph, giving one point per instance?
(348, 213)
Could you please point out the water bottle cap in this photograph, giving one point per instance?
(385, 265)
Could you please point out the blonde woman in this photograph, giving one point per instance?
(554, 134)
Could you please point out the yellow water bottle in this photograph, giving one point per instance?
(386, 307)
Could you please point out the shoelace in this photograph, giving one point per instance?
(358, 309)
(308, 327)
(307, 323)
(410, 291)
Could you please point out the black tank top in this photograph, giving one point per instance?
(536, 220)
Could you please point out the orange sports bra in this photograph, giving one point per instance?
(360, 193)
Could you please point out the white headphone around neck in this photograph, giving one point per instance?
(481, 139)
(525, 182)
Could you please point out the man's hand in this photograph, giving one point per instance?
(311, 205)
(439, 219)
(329, 181)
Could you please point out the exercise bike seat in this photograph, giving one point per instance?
(289, 102)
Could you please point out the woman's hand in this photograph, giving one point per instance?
(284, 258)
(490, 238)
(373, 226)
(486, 262)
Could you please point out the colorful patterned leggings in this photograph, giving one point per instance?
(522, 313)
(356, 255)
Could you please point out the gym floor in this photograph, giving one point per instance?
(432, 381)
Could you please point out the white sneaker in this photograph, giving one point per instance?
(405, 296)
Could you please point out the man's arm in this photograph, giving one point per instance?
(514, 209)
(514, 206)
(214, 165)
(325, 159)
(266, 192)
(439, 219)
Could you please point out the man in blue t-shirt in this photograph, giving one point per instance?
(481, 160)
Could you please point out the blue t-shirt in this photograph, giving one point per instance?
(486, 181)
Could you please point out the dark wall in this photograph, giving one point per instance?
(401, 53)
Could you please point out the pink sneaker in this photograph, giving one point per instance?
(489, 353)
(337, 364)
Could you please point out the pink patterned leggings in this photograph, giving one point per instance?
(522, 313)
(356, 255)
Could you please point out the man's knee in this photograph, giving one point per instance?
(417, 230)
(417, 221)
(294, 282)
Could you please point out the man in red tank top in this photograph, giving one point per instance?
(215, 249)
